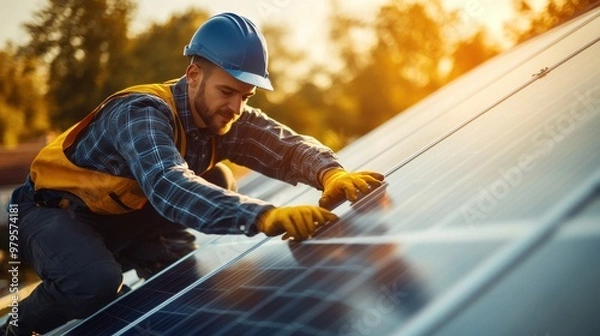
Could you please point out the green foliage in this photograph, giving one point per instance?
(83, 42)
(23, 112)
(382, 64)
(156, 55)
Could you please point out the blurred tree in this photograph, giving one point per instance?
(282, 57)
(401, 67)
(471, 52)
(84, 43)
(530, 23)
(296, 100)
(156, 55)
(343, 32)
(23, 112)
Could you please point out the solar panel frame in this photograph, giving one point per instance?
(417, 139)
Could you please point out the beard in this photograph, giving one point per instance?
(218, 122)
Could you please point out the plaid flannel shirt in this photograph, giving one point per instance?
(133, 137)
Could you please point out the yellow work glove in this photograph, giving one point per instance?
(340, 185)
(298, 222)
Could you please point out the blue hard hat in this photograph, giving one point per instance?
(233, 43)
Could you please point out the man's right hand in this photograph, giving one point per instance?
(297, 222)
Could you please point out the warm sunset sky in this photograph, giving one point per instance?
(305, 18)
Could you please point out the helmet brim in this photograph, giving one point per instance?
(250, 78)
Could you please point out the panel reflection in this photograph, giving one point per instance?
(327, 288)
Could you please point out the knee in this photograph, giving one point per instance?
(97, 284)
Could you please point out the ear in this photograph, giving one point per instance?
(194, 75)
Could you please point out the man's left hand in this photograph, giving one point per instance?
(340, 185)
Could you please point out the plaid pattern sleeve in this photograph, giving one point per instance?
(267, 146)
(134, 138)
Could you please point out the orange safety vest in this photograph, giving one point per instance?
(101, 192)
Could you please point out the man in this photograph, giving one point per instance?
(117, 190)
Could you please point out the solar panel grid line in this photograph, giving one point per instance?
(159, 291)
(205, 310)
(448, 192)
(237, 301)
(442, 137)
(182, 315)
(198, 302)
(197, 326)
(343, 289)
(275, 287)
(448, 236)
(301, 314)
(232, 279)
(178, 319)
(547, 179)
(347, 210)
(261, 324)
(216, 324)
(474, 117)
(257, 326)
(225, 307)
(289, 274)
(475, 168)
(322, 317)
(322, 321)
(174, 297)
(116, 307)
(126, 308)
(122, 297)
(328, 314)
(283, 289)
(276, 307)
(483, 277)
(149, 297)
(206, 303)
(120, 318)
(298, 329)
(350, 240)
(201, 298)
(146, 294)
(547, 70)
(484, 163)
(273, 329)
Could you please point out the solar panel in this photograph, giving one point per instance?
(213, 253)
(314, 288)
(459, 240)
(553, 292)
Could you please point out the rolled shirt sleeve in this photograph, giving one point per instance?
(267, 146)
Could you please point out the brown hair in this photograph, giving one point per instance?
(206, 65)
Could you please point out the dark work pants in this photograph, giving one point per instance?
(80, 256)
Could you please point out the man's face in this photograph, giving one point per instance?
(217, 99)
